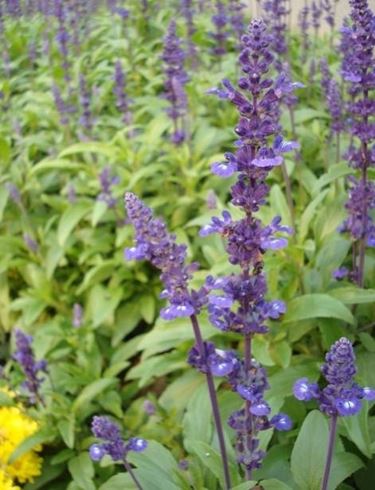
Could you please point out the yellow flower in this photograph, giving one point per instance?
(6, 483)
(15, 427)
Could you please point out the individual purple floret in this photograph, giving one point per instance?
(340, 273)
(122, 101)
(358, 39)
(31, 368)
(149, 407)
(106, 182)
(341, 396)
(77, 319)
(220, 35)
(111, 441)
(174, 86)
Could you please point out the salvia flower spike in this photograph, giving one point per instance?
(341, 397)
(237, 302)
(154, 243)
(31, 368)
(111, 443)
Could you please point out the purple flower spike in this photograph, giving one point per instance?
(174, 86)
(260, 408)
(136, 444)
(341, 396)
(31, 368)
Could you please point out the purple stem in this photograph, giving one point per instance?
(214, 403)
(131, 473)
(249, 424)
(331, 444)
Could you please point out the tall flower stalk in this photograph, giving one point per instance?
(155, 244)
(341, 397)
(240, 306)
(174, 86)
(358, 40)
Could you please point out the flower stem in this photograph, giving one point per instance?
(214, 403)
(131, 473)
(331, 444)
(249, 418)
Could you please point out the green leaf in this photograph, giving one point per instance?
(98, 211)
(103, 303)
(69, 220)
(40, 437)
(309, 452)
(308, 215)
(317, 306)
(56, 164)
(105, 149)
(155, 467)
(66, 429)
(197, 419)
(4, 194)
(280, 205)
(121, 481)
(82, 470)
(6, 400)
(358, 431)
(127, 318)
(274, 484)
(31, 308)
(245, 486)
(334, 172)
(90, 391)
(211, 459)
(343, 465)
(147, 308)
(351, 295)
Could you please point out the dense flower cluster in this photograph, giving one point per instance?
(32, 369)
(174, 86)
(357, 45)
(341, 396)
(155, 244)
(122, 101)
(107, 181)
(15, 427)
(112, 443)
(220, 35)
(276, 14)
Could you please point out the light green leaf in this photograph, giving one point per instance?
(351, 295)
(317, 306)
(343, 465)
(358, 431)
(121, 481)
(98, 211)
(309, 452)
(70, 218)
(105, 149)
(82, 470)
(92, 390)
(280, 205)
(308, 215)
(40, 437)
(334, 172)
(274, 484)
(59, 164)
(66, 429)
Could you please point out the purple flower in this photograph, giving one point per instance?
(357, 44)
(174, 86)
(14, 193)
(31, 368)
(340, 273)
(149, 407)
(220, 21)
(85, 101)
(155, 244)
(106, 182)
(277, 12)
(188, 12)
(281, 422)
(122, 102)
(30, 243)
(77, 315)
(341, 396)
(111, 441)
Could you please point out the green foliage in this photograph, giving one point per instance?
(123, 354)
